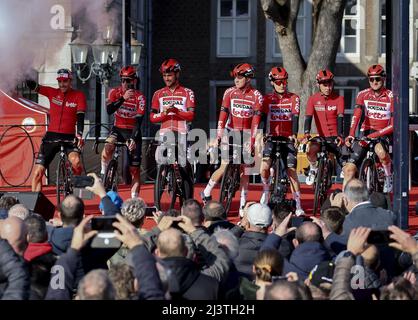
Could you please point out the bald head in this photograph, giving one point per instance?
(171, 244)
(192, 209)
(308, 232)
(71, 210)
(284, 290)
(14, 231)
(20, 211)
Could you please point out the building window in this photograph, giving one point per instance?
(303, 29)
(233, 34)
(350, 34)
(383, 27)
(350, 94)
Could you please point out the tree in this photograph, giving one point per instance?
(327, 19)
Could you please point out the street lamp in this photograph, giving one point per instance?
(136, 47)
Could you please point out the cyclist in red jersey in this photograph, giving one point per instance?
(280, 115)
(128, 105)
(376, 103)
(240, 112)
(67, 107)
(173, 108)
(327, 107)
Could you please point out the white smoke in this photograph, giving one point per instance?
(28, 38)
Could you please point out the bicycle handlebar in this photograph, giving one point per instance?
(117, 144)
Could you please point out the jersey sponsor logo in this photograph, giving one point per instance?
(56, 101)
(190, 93)
(281, 114)
(71, 104)
(258, 96)
(241, 108)
(332, 108)
(377, 110)
(319, 108)
(297, 103)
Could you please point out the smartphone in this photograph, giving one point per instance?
(103, 223)
(149, 211)
(379, 237)
(297, 221)
(82, 181)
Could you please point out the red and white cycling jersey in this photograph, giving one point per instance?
(242, 106)
(279, 109)
(126, 113)
(377, 111)
(182, 99)
(325, 111)
(63, 108)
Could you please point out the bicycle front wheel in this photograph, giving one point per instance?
(165, 188)
(228, 187)
(368, 174)
(110, 178)
(318, 195)
(63, 181)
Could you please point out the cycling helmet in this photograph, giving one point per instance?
(324, 75)
(376, 70)
(64, 74)
(170, 65)
(278, 73)
(243, 69)
(128, 72)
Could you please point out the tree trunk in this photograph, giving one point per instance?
(326, 37)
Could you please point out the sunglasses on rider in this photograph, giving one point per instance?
(127, 80)
(280, 82)
(375, 79)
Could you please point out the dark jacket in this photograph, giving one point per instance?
(249, 244)
(224, 224)
(187, 282)
(370, 216)
(305, 257)
(14, 274)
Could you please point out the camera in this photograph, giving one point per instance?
(82, 181)
(106, 237)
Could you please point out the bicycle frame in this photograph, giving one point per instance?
(281, 180)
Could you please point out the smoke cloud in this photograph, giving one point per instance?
(33, 32)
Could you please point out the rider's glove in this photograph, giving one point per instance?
(363, 143)
(339, 141)
(80, 140)
(349, 140)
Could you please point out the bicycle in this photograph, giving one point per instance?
(280, 180)
(230, 180)
(111, 177)
(172, 181)
(64, 176)
(369, 172)
(323, 177)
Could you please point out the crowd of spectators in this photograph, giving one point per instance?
(197, 254)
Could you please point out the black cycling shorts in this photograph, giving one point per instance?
(359, 153)
(172, 147)
(287, 151)
(332, 147)
(232, 146)
(123, 135)
(48, 150)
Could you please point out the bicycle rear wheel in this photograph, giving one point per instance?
(279, 189)
(110, 178)
(165, 188)
(187, 186)
(63, 181)
(228, 186)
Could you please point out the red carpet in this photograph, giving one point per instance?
(254, 195)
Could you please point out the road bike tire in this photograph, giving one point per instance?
(63, 178)
(187, 187)
(279, 189)
(227, 187)
(110, 178)
(318, 187)
(368, 174)
(165, 183)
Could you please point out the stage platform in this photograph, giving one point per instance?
(92, 206)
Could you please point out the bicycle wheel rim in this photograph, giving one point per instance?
(366, 174)
(164, 189)
(60, 180)
(109, 180)
(226, 197)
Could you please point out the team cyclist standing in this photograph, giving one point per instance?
(242, 112)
